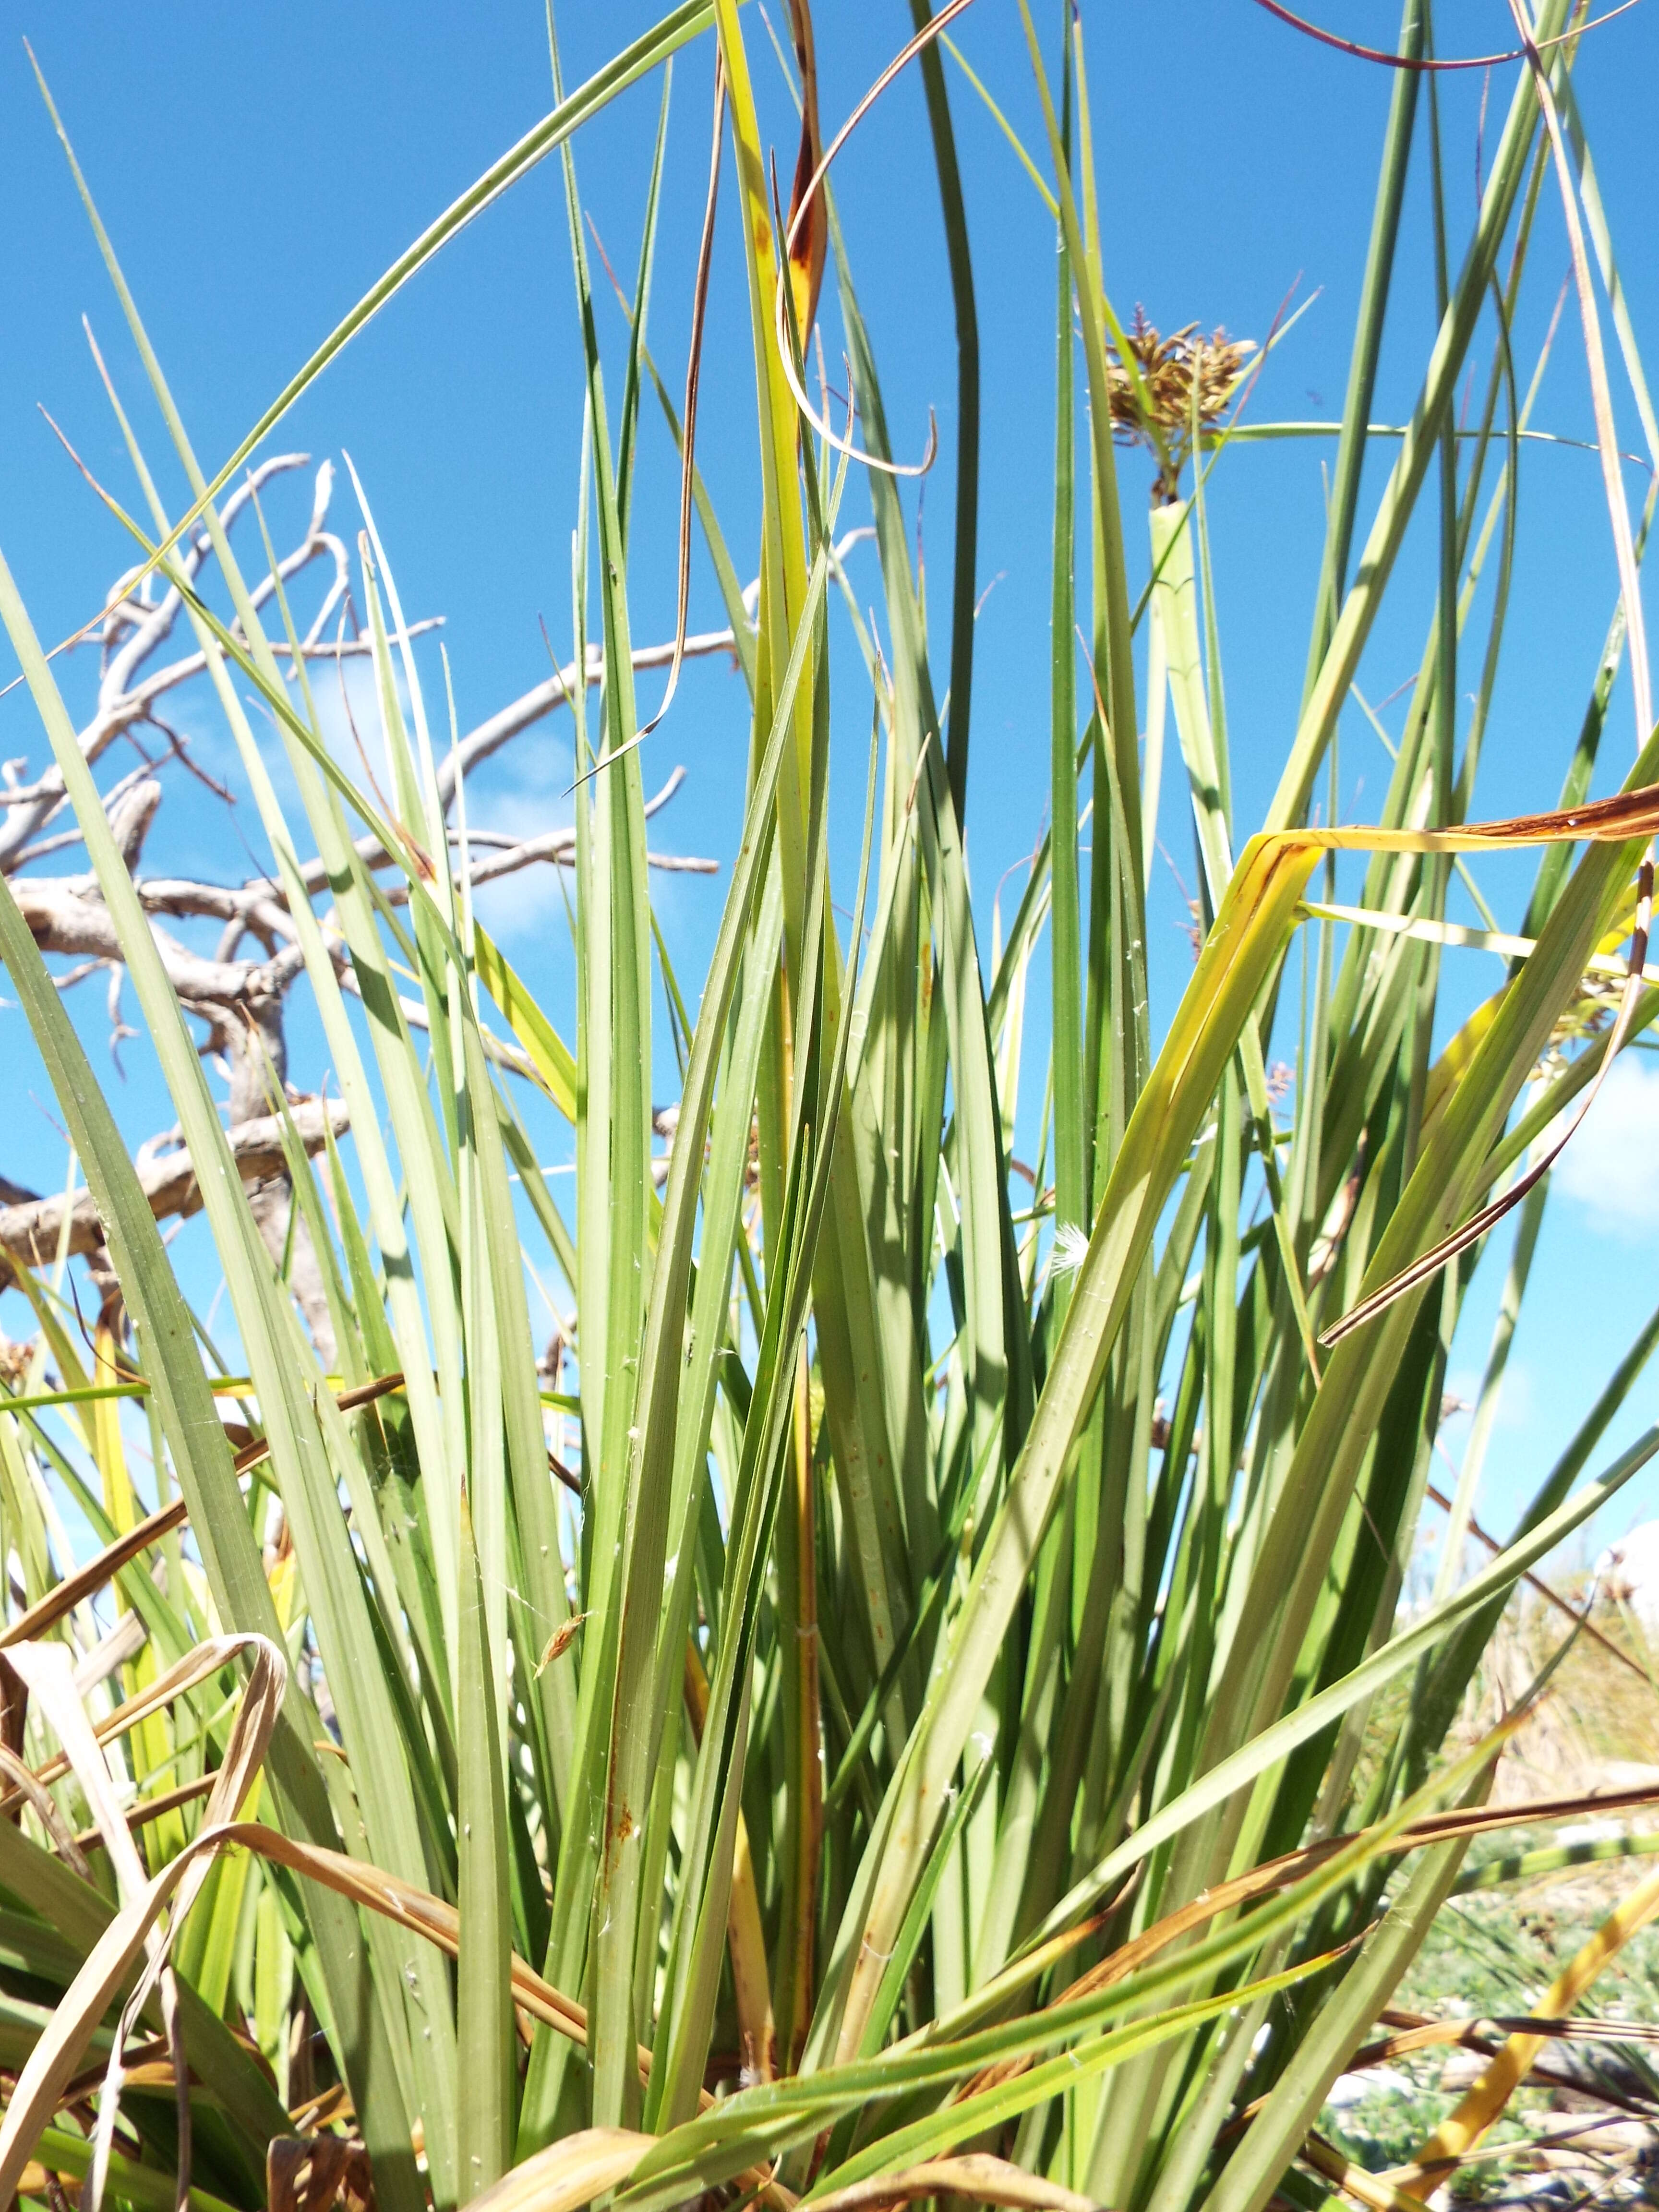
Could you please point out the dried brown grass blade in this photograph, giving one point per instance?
(372, 1887)
(803, 203)
(53, 2062)
(348, 1402)
(568, 2174)
(976, 2176)
(1484, 1536)
(1373, 2190)
(309, 2173)
(1626, 816)
(65, 1595)
(1477, 2034)
(1641, 693)
(806, 252)
(1457, 2136)
(144, 1810)
(195, 1667)
(1460, 1823)
(52, 1820)
(439, 1923)
(1424, 63)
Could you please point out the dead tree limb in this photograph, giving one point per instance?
(239, 1002)
(32, 1229)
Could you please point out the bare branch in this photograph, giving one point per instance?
(369, 850)
(127, 708)
(257, 905)
(557, 846)
(30, 1228)
(66, 914)
(509, 721)
(242, 1000)
(133, 631)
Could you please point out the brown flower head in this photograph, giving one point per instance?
(1186, 382)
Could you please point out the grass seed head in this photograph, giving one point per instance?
(1186, 382)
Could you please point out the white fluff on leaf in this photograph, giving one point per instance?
(1071, 1249)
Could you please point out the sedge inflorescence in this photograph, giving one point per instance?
(1171, 390)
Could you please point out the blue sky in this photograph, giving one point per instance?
(259, 167)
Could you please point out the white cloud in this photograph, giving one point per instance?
(523, 798)
(1518, 1408)
(346, 696)
(525, 905)
(1517, 1403)
(1612, 1166)
(517, 797)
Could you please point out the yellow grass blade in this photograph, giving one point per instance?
(1456, 2137)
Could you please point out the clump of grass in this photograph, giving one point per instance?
(827, 1718)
